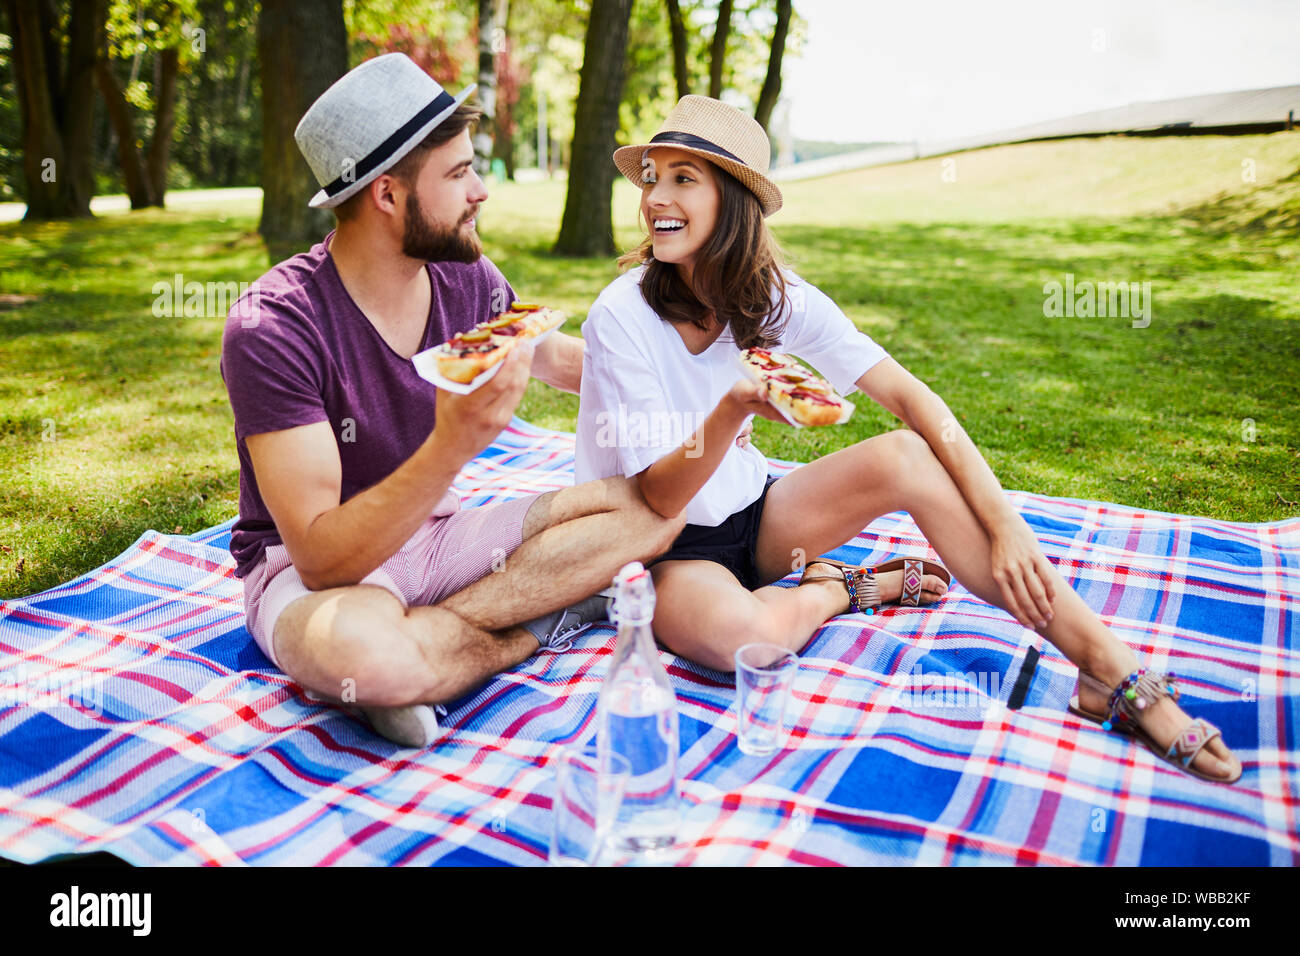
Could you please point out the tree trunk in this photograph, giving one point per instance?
(772, 84)
(128, 156)
(47, 195)
(85, 34)
(719, 51)
(302, 49)
(503, 134)
(677, 27)
(503, 148)
(487, 85)
(587, 228)
(56, 104)
(164, 120)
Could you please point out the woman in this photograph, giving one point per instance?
(664, 400)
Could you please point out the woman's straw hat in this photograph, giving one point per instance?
(721, 134)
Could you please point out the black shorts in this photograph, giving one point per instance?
(731, 544)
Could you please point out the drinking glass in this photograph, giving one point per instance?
(589, 788)
(764, 676)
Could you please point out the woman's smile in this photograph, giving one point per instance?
(680, 201)
(668, 226)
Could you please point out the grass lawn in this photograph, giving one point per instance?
(113, 421)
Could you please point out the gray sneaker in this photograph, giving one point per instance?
(555, 631)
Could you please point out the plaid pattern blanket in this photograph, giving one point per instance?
(137, 717)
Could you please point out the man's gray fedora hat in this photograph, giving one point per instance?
(369, 119)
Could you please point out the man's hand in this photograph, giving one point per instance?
(466, 424)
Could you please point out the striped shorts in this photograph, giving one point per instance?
(445, 555)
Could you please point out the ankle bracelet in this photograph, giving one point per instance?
(1136, 692)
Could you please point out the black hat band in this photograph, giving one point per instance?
(380, 154)
(686, 139)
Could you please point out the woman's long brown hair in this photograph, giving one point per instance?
(735, 273)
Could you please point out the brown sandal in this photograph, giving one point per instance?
(1135, 693)
(864, 591)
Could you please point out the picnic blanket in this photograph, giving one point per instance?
(137, 717)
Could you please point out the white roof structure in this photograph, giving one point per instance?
(1241, 111)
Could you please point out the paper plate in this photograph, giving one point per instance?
(845, 414)
(426, 366)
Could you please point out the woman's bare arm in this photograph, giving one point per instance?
(1019, 565)
(671, 482)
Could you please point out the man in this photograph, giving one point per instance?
(363, 579)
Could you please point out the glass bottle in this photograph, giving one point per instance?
(637, 718)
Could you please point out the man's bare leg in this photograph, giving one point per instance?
(575, 541)
(359, 644)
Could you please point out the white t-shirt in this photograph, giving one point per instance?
(644, 394)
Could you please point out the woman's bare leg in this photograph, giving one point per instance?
(704, 614)
(898, 471)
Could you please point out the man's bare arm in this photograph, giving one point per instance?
(559, 362)
(300, 477)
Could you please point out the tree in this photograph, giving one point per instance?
(302, 48)
(218, 103)
(138, 187)
(509, 78)
(54, 79)
(437, 35)
(587, 228)
(488, 40)
(719, 48)
(145, 173)
(455, 50)
(771, 91)
(677, 29)
(12, 186)
(544, 47)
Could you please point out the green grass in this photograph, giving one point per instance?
(113, 421)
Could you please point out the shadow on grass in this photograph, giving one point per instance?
(1274, 214)
(109, 519)
(1085, 407)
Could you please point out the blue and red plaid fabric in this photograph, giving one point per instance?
(138, 718)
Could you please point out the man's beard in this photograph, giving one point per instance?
(425, 240)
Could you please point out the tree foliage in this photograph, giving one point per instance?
(146, 47)
(219, 101)
(12, 185)
(217, 96)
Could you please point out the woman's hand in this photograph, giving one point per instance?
(745, 431)
(748, 396)
(671, 482)
(1023, 573)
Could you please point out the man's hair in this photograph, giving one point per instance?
(737, 275)
(408, 167)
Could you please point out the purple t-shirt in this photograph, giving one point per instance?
(304, 353)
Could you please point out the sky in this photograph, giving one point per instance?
(933, 69)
